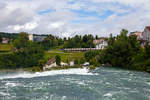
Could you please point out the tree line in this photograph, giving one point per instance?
(79, 41)
(25, 54)
(51, 42)
(123, 51)
(8, 35)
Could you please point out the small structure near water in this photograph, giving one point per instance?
(86, 64)
(51, 63)
(71, 63)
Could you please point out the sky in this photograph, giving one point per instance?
(65, 18)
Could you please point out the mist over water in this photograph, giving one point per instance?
(75, 84)
(22, 74)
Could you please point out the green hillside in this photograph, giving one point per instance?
(64, 55)
(5, 47)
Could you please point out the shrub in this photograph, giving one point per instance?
(58, 60)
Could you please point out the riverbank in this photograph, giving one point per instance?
(16, 70)
(37, 69)
(64, 67)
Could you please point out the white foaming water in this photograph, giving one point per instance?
(108, 95)
(10, 84)
(63, 98)
(4, 94)
(77, 71)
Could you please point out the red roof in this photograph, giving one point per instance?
(99, 41)
(5, 39)
(50, 61)
(148, 27)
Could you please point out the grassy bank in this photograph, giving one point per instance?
(64, 55)
(5, 47)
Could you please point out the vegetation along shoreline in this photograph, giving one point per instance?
(31, 52)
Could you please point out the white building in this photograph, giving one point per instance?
(5, 40)
(71, 63)
(50, 64)
(100, 43)
(146, 34)
(31, 37)
(38, 38)
(63, 64)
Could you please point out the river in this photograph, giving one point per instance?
(75, 84)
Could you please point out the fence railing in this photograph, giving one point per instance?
(81, 49)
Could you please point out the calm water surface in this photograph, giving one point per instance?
(75, 84)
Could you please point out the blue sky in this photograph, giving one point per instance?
(67, 17)
(46, 11)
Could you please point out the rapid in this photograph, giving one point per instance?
(75, 84)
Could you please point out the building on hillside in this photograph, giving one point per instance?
(100, 43)
(31, 37)
(138, 34)
(50, 64)
(37, 38)
(5, 40)
(146, 34)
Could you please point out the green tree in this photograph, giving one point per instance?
(119, 52)
(21, 41)
(76, 62)
(85, 41)
(58, 60)
(90, 54)
(111, 40)
(67, 61)
(141, 61)
(0, 39)
(82, 61)
(96, 37)
(28, 56)
(51, 42)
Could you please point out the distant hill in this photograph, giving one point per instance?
(8, 35)
(13, 35)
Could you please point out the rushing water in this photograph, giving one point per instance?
(75, 84)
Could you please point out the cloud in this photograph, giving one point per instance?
(56, 25)
(70, 17)
(25, 27)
